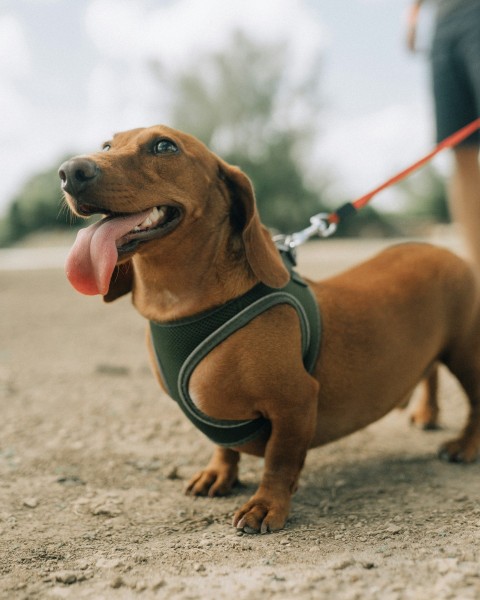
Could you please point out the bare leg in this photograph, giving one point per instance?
(465, 197)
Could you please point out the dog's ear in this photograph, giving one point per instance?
(262, 254)
(121, 281)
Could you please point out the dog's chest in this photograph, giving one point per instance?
(179, 346)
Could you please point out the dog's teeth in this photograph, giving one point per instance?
(153, 218)
(145, 223)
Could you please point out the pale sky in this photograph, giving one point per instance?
(72, 72)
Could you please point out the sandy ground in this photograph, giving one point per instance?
(94, 459)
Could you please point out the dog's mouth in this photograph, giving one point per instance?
(159, 221)
(98, 248)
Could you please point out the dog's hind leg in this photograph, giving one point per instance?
(426, 412)
(466, 447)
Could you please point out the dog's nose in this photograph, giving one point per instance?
(77, 174)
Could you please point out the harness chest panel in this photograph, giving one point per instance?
(180, 346)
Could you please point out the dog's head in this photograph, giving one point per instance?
(157, 186)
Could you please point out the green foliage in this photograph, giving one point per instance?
(367, 223)
(284, 201)
(426, 196)
(37, 206)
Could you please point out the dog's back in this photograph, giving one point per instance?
(386, 323)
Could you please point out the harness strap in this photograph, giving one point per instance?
(181, 345)
(222, 429)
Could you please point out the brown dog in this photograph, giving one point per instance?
(183, 234)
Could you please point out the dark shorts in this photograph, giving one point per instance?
(456, 70)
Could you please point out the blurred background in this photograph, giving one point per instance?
(317, 100)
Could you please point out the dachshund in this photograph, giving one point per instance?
(181, 231)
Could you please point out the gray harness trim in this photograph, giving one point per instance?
(237, 322)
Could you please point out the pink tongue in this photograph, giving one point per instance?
(90, 262)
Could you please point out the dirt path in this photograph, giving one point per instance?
(93, 460)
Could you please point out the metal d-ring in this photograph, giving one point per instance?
(319, 225)
(325, 227)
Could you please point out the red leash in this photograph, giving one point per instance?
(450, 142)
(325, 224)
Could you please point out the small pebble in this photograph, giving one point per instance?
(393, 529)
(343, 564)
(108, 563)
(114, 370)
(70, 480)
(30, 502)
(117, 582)
(156, 585)
(66, 577)
(140, 586)
(172, 474)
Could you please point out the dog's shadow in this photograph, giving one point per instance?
(371, 492)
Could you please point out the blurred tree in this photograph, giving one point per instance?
(245, 104)
(241, 103)
(426, 196)
(37, 206)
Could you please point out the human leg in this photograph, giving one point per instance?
(464, 196)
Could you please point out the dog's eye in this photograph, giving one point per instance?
(106, 147)
(165, 147)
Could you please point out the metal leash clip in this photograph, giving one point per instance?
(320, 225)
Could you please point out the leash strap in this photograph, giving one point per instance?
(325, 224)
(451, 141)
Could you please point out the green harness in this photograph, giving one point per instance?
(180, 346)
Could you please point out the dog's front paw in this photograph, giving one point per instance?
(460, 450)
(213, 482)
(261, 515)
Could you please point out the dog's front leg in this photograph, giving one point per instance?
(219, 476)
(267, 510)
